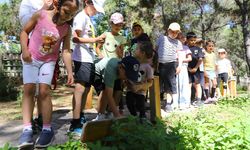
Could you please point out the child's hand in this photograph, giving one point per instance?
(119, 51)
(178, 70)
(70, 79)
(192, 70)
(26, 56)
(205, 74)
(100, 39)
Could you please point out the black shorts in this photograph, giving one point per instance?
(196, 77)
(223, 77)
(84, 73)
(167, 73)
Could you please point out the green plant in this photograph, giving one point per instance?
(7, 146)
(9, 87)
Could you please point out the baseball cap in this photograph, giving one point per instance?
(174, 26)
(99, 4)
(131, 66)
(117, 18)
(221, 50)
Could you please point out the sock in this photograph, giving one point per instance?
(27, 127)
(213, 92)
(206, 92)
(47, 127)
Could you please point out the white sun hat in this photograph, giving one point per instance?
(174, 26)
(221, 50)
(99, 4)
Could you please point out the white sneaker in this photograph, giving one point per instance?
(99, 117)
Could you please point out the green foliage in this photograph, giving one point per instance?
(9, 88)
(135, 135)
(222, 126)
(9, 22)
(7, 146)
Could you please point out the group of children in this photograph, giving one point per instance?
(101, 62)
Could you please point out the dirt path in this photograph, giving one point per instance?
(11, 117)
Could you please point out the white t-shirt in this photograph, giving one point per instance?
(83, 52)
(223, 65)
(28, 8)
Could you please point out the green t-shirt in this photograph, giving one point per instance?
(110, 44)
(107, 68)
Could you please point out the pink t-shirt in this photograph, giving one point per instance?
(46, 38)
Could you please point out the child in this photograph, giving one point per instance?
(139, 35)
(209, 70)
(167, 47)
(194, 67)
(108, 70)
(184, 93)
(136, 92)
(83, 56)
(223, 69)
(50, 28)
(26, 10)
(114, 42)
(113, 47)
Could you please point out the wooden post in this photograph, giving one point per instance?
(155, 103)
(232, 87)
(89, 99)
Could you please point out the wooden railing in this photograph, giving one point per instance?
(11, 65)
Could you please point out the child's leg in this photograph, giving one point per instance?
(198, 91)
(225, 79)
(28, 102)
(131, 101)
(46, 103)
(45, 77)
(140, 105)
(79, 99)
(214, 84)
(207, 85)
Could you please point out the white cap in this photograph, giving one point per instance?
(174, 26)
(99, 4)
(221, 50)
(117, 18)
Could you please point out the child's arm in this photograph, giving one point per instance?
(143, 85)
(98, 48)
(24, 36)
(78, 39)
(66, 54)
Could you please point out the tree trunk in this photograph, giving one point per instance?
(246, 34)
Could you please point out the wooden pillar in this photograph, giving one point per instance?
(89, 99)
(155, 103)
(232, 87)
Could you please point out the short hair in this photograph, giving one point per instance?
(147, 47)
(191, 35)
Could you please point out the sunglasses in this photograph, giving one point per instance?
(222, 53)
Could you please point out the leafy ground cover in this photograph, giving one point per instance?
(222, 126)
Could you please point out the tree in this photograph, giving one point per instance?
(244, 13)
(9, 21)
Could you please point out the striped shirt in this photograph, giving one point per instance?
(167, 49)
